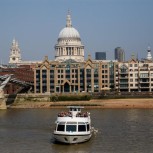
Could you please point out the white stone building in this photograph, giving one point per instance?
(15, 55)
(135, 75)
(69, 44)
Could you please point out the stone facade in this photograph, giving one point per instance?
(15, 55)
(71, 76)
(134, 75)
(69, 45)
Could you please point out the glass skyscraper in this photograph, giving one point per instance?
(119, 54)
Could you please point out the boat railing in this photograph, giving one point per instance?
(69, 114)
(79, 114)
(65, 114)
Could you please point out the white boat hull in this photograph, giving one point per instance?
(71, 139)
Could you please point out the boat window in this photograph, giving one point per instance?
(71, 128)
(71, 122)
(81, 128)
(60, 127)
(87, 127)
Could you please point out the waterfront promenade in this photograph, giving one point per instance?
(100, 103)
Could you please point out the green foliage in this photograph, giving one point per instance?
(54, 98)
(70, 98)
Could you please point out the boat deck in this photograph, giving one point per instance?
(69, 114)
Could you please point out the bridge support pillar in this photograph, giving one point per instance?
(2, 100)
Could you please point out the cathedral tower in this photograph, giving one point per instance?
(15, 55)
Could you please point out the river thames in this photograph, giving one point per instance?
(119, 131)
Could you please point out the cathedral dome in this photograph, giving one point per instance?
(69, 32)
(69, 44)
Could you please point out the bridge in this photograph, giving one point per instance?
(8, 78)
(2, 97)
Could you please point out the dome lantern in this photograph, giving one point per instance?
(68, 20)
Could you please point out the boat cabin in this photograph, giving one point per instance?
(72, 127)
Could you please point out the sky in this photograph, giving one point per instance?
(102, 24)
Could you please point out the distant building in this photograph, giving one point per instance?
(69, 45)
(71, 76)
(15, 56)
(149, 57)
(69, 72)
(134, 75)
(119, 54)
(100, 56)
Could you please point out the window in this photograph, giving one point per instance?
(88, 128)
(71, 128)
(60, 127)
(106, 81)
(144, 75)
(81, 128)
(135, 65)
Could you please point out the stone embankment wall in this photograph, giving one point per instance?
(54, 97)
(27, 98)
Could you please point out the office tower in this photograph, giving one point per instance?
(100, 56)
(119, 54)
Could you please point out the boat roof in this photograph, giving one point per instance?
(75, 107)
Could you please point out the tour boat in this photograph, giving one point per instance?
(73, 126)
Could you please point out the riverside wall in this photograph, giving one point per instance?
(45, 101)
(27, 98)
(18, 98)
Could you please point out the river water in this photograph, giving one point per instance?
(119, 131)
